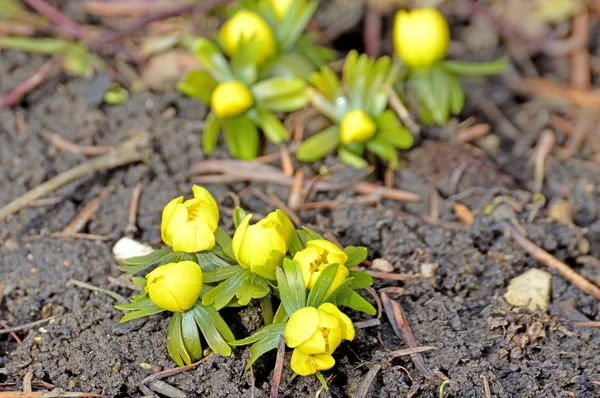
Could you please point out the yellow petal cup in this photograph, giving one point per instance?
(175, 286)
(245, 26)
(259, 247)
(315, 333)
(281, 7)
(421, 37)
(189, 226)
(317, 255)
(231, 99)
(357, 126)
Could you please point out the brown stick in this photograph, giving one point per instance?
(125, 9)
(486, 387)
(27, 325)
(543, 149)
(278, 371)
(391, 276)
(547, 88)
(133, 150)
(367, 324)
(133, 209)
(581, 76)
(86, 214)
(91, 150)
(397, 105)
(57, 17)
(552, 262)
(410, 351)
(372, 31)
(23, 88)
(363, 390)
(171, 372)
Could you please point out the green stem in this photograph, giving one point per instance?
(461, 68)
(33, 45)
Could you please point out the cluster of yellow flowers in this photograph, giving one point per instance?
(258, 250)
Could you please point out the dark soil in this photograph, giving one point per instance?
(460, 310)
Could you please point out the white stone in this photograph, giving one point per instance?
(531, 288)
(127, 247)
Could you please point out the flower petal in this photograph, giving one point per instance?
(304, 258)
(238, 238)
(316, 344)
(345, 324)
(175, 286)
(193, 236)
(174, 215)
(322, 361)
(301, 325)
(301, 364)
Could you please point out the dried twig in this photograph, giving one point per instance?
(171, 372)
(57, 17)
(91, 150)
(581, 76)
(133, 150)
(391, 276)
(286, 162)
(410, 351)
(125, 8)
(365, 385)
(372, 31)
(86, 214)
(27, 325)
(552, 262)
(548, 88)
(367, 324)
(591, 324)
(472, 133)
(120, 299)
(543, 149)
(27, 382)
(12, 334)
(575, 140)
(486, 387)
(278, 371)
(26, 86)
(402, 329)
(397, 105)
(133, 209)
(295, 196)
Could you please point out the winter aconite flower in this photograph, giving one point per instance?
(357, 126)
(317, 255)
(245, 26)
(189, 226)
(283, 223)
(281, 7)
(231, 99)
(421, 37)
(175, 286)
(315, 333)
(259, 247)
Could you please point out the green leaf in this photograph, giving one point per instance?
(330, 298)
(34, 45)
(296, 22)
(280, 314)
(349, 298)
(277, 88)
(244, 60)
(327, 83)
(317, 55)
(139, 282)
(461, 68)
(291, 66)
(356, 255)
(319, 145)
(360, 280)
(266, 339)
(306, 234)
(295, 244)
(210, 134)
(262, 333)
(291, 286)
(390, 130)
(222, 273)
(224, 241)
(241, 137)
(322, 380)
(376, 76)
(351, 159)
(254, 286)
(175, 345)
(334, 111)
(137, 264)
(457, 96)
(190, 336)
(349, 67)
(384, 150)
(214, 329)
(140, 304)
(198, 84)
(322, 284)
(290, 103)
(210, 262)
(238, 216)
(270, 124)
(220, 295)
(440, 83)
(146, 311)
(213, 61)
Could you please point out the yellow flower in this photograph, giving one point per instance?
(189, 226)
(231, 99)
(421, 37)
(357, 126)
(306, 365)
(175, 286)
(245, 26)
(281, 7)
(313, 331)
(284, 224)
(317, 255)
(259, 247)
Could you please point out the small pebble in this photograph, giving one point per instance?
(382, 265)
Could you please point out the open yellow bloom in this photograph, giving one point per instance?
(245, 26)
(357, 126)
(284, 224)
(421, 37)
(231, 99)
(317, 255)
(281, 7)
(189, 226)
(175, 286)
(306, 365)
(259, 247)
(314, 331)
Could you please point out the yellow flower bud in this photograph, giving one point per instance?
(281, 7)
(189, 226)
(357, 126)
(317, 255)
(259, 247)
(284, 224)
(231, 99)
(245, 26)
(306, 365)
(175, 286)
(314, 331)
(421, 37)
